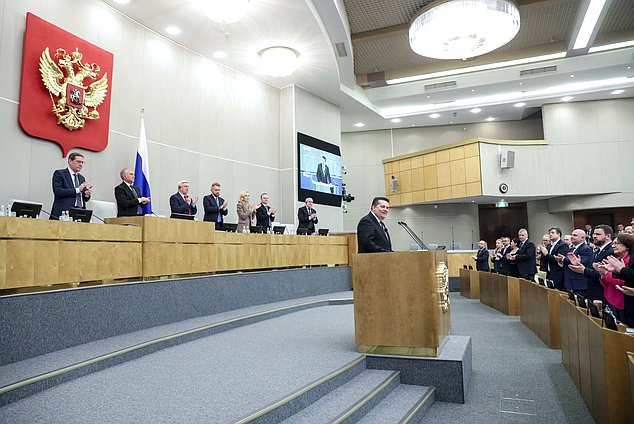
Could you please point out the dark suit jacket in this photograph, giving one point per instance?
(573, 280)
(627, 275)
(556, 272)
(178, 205)
(262, 217)
(482, 260)
(323, 175)
(304, 221)
(371, 237)
(595, 288)
(212, 209)
(505, 264)
(127, 203)
(64, 192)
(526, 260)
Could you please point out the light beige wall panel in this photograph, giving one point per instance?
(472, 169)
(431, 177)
(418, 179)
(471, 150)
(456, 153)
(458, 171)
(405, 181)
(443, 176)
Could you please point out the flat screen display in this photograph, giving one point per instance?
(319, 174)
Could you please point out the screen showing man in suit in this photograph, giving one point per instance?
(320, 170)
(128, 196)
(372, 234)
(70, 189)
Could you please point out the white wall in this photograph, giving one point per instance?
(363, 152)
(204, 122)
(320, 119)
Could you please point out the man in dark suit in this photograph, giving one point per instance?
(323, 173)
(602, 238)
(372, 235)
(579, 252)
(554, 271)
(180, 202)
(264, 214)
(505, 266)
(70, 188)
(215, 206)
(482, 257)
(525, 256)
(307, 216)
(128, 196)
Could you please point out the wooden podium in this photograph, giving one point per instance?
(401, 302)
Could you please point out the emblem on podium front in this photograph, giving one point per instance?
(442, 284)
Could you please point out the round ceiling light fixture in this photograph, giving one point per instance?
(224, 11)
(278, 61)
(460, 29)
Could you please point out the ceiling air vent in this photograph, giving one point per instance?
(538, 71)
(440, 86)
(341, 49)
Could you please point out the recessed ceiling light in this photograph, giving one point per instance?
(359, 124)
(572, 75)
(428, 97)
(629, 67)
(566, 98)
(490, 118)
(521, 83)
(618, 92)
(520, 104)
(172, 30)
(435, 115)
(396, 120)
(472, 90)
(451, 122)
(219, 55)
(476, 110)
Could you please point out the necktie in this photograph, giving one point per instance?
(387, 235)
(139, 211)
(78, 198)
(219, 214)
(189, 211)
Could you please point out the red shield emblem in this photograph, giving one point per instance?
(66, 86)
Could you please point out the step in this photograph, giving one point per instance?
(406, 404)
(351, 400)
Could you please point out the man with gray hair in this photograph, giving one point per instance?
(128, 196)
(181, 203)
(525, 257)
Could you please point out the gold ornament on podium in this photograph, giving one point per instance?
(442, 281)
(66, 83)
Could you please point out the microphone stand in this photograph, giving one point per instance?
(413, 235)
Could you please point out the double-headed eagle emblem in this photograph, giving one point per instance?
(66, 81)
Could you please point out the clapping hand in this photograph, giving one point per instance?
(614, 264)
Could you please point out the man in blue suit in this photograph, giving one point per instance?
(70, 187)
(482, 257)
(579, 252)
(554, 271)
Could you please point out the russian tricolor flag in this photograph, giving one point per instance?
(142, 169)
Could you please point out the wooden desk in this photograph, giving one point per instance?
(500, 292)
(597, 361)
(179, 247)
(539, 311)
(38, 252)
(471, 289)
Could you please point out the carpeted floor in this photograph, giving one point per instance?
(221, 378)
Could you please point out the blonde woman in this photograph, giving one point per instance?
(246, 211)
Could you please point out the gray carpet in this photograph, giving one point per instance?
(220, 378)
(513, 370)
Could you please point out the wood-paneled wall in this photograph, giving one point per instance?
(445, 173)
